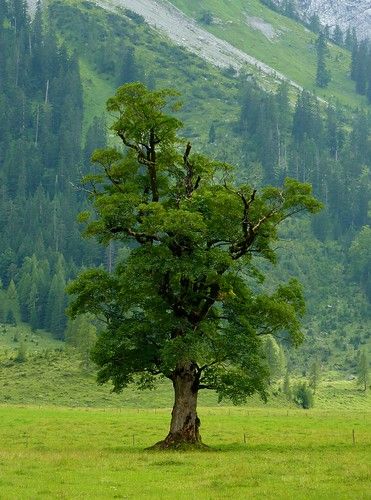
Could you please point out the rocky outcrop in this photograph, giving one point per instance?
(344, 13)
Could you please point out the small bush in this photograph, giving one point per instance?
(137, 18)
(206, 17)
(21, 354)
(303, 396)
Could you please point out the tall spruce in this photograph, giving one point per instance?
(363, 370)
(323, 76)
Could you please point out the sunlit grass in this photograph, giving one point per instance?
(62, 453)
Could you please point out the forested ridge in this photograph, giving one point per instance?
(47, 137)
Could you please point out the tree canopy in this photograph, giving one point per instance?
(187, 303)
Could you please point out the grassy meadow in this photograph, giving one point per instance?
(62, 436)
(92, 453)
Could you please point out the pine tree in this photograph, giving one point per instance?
(212, 134)
(360, 72)
(363, 370)
(286, 387)
(129, 70)
(338, 36)
(323, 75)
(314, 375)
(13, 314)
(21, 356)
(56, 305)
(96, 138)
(314, 23)
(82, 335)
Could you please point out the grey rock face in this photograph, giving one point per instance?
(345, 13)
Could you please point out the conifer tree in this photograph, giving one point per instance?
(212, 134)
(286, 388)
(314, 375)
(363, 370)
(323, 75)
(338, 36)
(361, 75)
(129, 70)
(56, 305)
(12, 303)
(314, 23)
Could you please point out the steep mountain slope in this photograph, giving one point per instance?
(184, 31)
(252, 31)
(245, 35)
(99, 38)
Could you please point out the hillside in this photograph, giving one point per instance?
(67, 382)
(229, 117)
(253, 36)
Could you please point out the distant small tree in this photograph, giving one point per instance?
(273, 354)
(314, 375)
(129, 69)
(286, 387)
(314, 23)
(10, 318)
(21, 353)
(323, 76)
(363, 370)
(212, 134)
(82, 335)
(288, 8)
(206, 17)
(303, 396)
(338, 36)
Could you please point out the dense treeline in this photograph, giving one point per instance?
(321, 146)
(361, 67)
(41, 112)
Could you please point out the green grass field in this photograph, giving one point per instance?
(71, 453)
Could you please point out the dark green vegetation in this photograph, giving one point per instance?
(296, 454)
(361, 67)
(52, 97)
(323, 76)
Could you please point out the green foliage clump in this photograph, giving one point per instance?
(303, 396)
(363, 370)
(21, 356)
(206, 17)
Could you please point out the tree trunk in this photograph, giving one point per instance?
(184, 426)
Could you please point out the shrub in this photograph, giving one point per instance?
(21, 354)
(137, 18)
(206, 17)
(303, 396)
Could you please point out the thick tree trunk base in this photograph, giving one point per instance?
(172, 444)
(184, 427)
